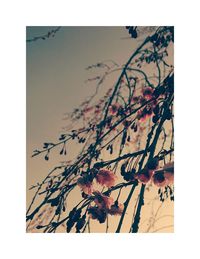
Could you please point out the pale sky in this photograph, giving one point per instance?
(56, 75)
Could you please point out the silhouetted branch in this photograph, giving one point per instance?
(49, 34)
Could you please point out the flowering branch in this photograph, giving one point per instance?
(127, 122)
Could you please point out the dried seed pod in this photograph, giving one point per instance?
(80, 223)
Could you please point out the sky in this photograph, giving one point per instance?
(56, 78)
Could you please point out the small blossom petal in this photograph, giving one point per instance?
(106, 178)
(116, 209)
(169, 176)
(103, 201)
(147, 93)
(113, 109)
(85, 185)
(164, 176)
(144, 176)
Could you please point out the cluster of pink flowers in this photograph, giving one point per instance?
(160, 177)
(164, 176)
(85, 184)
(113, 109)
(147, 93)
(102, 201)
(147, 111)
(104, 205)
(103, 177)
(106, 178)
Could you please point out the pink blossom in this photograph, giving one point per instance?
(85, 185)
(87, 109)
(113, 109)
(116, 209)
(106, 178)
(144, 176)
(169, 172)
(103, 201)
(164, 176)
(159, 179)
(144, 114)
(169, 176)
(147, 93)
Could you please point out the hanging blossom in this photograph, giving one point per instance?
(104, 206)
(116, 209)
(106, 178)
(103, 201)
(85, 184)
(160, 177)
(146, 112)
(165, 176)
(113, 109)
(103, 177)
(147, 93)
(144, 176)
